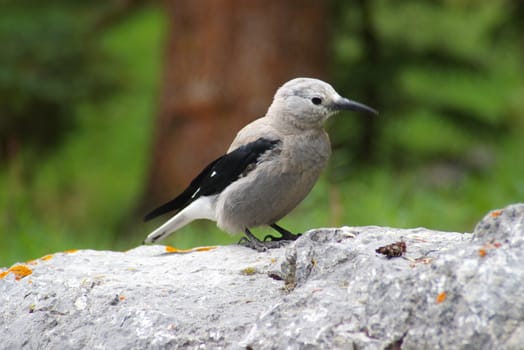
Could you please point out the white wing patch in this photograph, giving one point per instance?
(196, 192)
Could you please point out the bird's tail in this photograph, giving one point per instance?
(176, 222)
(202, 208)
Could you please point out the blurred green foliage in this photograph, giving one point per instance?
(51, 61)
(446, 76)
(78, 195)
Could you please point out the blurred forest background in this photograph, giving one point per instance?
(107, 108)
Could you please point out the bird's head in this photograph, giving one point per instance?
(307, 103)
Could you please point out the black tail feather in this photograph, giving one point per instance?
(183, 199)
(174, 204)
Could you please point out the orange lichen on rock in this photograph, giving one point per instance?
(69, 251)
(205, 249)
(35, 261)
(441, 297)
(483, 251)
(20, 271)
(170, 249)
(496, 213)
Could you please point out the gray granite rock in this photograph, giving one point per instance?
(329, 289)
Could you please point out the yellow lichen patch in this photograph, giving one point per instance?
(248, 271)
(20, 271)
(170, 249)
(441, 297)
(70, 251)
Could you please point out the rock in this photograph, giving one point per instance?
(329, 289)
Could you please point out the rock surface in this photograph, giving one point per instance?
(329, 289)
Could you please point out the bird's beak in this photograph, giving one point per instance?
(342, 103)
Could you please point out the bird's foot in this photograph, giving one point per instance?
(261, 246)
(250, 241)
(286, 235)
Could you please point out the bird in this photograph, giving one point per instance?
(270, 167)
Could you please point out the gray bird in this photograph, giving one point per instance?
(268, 170)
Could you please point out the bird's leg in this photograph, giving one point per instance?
(251, 241)
(286, 235)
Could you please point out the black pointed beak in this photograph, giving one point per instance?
(344, 104)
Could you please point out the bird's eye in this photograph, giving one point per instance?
(316, 100)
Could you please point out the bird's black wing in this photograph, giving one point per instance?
(217, 175)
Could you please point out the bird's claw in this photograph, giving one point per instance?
(285, 237)
(272, 238)
(261, 246)
(270, 241)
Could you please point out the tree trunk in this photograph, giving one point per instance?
(367, 146)
(225, 60)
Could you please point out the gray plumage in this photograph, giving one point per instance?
(282, 176)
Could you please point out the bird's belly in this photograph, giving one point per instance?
(264, 198)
